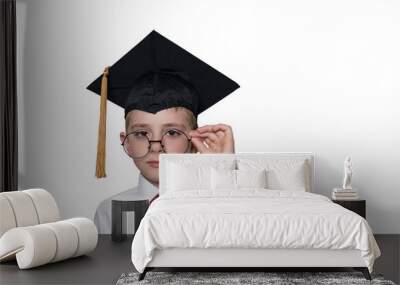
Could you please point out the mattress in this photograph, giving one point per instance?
(251, 219)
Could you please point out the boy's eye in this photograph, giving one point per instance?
(140, 134)
(173, 133)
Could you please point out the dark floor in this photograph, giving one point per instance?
(102, 266)
(111, 259)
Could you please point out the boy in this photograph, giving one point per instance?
(162, 88)
(179, 119)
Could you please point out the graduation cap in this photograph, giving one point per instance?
(157, 74)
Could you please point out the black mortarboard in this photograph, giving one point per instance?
(154, 75)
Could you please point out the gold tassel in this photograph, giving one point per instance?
(101, 143)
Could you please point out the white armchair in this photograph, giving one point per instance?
(31, 230)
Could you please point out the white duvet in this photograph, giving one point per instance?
(251, 218)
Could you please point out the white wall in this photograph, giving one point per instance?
(320, 76)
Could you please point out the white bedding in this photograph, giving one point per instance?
(250, 218)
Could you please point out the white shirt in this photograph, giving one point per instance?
(144, 190)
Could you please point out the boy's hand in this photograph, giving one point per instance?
(213, 139)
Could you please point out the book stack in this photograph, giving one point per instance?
(344, 194)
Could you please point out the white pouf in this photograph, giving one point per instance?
(31, 231)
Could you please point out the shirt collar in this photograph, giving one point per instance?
(145, 185)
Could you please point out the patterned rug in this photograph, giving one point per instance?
(270, 278)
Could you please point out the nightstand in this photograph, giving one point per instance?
(357, 206)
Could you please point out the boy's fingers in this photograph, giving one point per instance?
(206, 128)
(193, 133)
(211, 136)
(219, 138)
(212, 147)
(215, 128)
(199, 145)
(222, 127)
(220, 134)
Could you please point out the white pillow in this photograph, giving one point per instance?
(251, 178)
(199, 160)
(182, 177)
(282, 174)
(189, 174)
(223, 179)
(236, 179)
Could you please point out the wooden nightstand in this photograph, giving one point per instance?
(357, 206)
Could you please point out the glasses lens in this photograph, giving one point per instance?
(136, 144)
(175, 141)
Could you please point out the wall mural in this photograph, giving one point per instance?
(163, 88)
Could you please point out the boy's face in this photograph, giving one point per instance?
(154, 126)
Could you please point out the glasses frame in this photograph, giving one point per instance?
(159, 141)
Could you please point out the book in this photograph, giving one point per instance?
(345, 194)
(341, 190)
(346, 199)
(336, 197)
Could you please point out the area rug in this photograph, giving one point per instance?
(269, 278)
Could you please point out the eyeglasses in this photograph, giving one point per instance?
(138, 144)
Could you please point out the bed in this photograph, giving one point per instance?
(248, 210)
